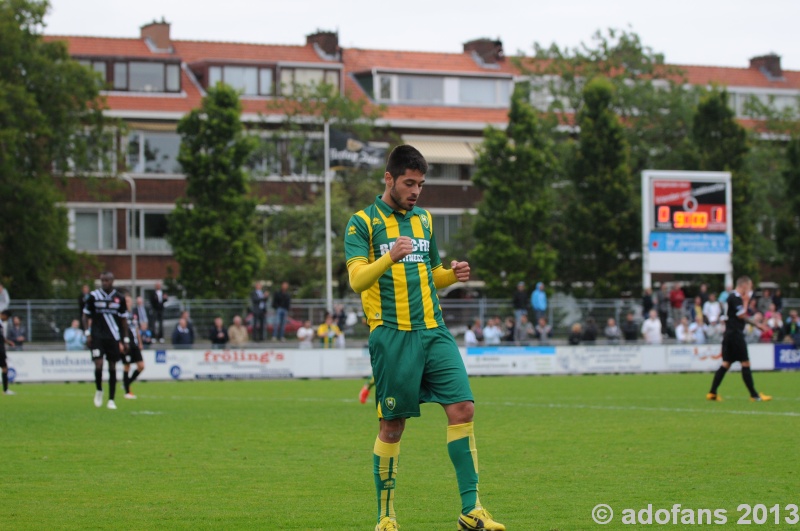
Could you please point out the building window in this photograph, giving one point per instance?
(154, 152)
(446, 228)
(143, 76)
(249, 80)
(306, 78)
(420, 89)
(386, 88)
(287, 156)
(150, 231)
(444, 171)
(484, 92)
(95, 230)
(98, 66)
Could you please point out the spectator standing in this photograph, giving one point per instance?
(543, 330)
(662, 306)
(3, 358)
(237, 333)
(5, 299)
(520, 300)
(478, 329)
(651, 329)
(764, 301)
(17, 333)
(82, 298)
(218, 335)
(539, 301)
(630, 330)
(612, 332)
(157, 300)
(703, 293)
(648, 302)
(470, 340)
(305, 334)
(258, 306)
(777, 300)
(712, 310)
(182, 336)
(141, 311)
(281, 303)
(676, 298)
(73, 337)
(328, 331)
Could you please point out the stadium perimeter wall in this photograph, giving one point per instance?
(255, 363)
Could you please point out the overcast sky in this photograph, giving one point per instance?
(706, 32)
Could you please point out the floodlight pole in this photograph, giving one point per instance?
(132, 225)
(328, 247)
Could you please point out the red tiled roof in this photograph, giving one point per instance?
(358, 60)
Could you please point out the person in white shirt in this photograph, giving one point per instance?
(699, 331)
(682, 331)
(470, 339)
(306, 335)
(492, 334)
(651, 329)
(712, 309)
(5, 300)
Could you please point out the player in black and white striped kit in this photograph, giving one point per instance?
(107, 336)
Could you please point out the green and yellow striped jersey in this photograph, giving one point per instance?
(404, 297)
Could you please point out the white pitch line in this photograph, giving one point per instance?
(642, 408)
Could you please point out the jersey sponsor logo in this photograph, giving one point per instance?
(390, 403)
(417, 246)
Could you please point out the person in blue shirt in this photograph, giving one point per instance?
(74, 338)
(539, 301)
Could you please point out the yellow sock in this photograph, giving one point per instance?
(384, 469)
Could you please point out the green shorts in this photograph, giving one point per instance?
(415, 367)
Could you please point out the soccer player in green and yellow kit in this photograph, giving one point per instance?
(394, 264)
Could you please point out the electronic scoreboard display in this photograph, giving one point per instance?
(689, 206)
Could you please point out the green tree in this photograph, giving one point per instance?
(515, 172)
(649, 96)
(295, 245)
(212, 229)
(603, 235)
(720, 144)
(50, 122)
(788, 230)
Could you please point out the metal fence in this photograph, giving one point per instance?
(46, 320)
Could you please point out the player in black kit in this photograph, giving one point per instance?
(134, 353)
(734, 347)
(106, 334)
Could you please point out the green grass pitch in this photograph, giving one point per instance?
(298, 454)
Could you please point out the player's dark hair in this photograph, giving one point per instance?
(404, 158)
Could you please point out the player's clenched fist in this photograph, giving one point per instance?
(461, 269)
(402, 247)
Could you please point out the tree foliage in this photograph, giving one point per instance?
(50, 122)
(295, 248)
(604, 233)
(515, 172)
(720, 144)
(212, 229)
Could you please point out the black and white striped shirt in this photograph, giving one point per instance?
(106, 311)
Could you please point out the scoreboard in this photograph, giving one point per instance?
(686, 223)
(689, 205)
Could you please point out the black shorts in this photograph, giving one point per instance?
(734, 348)
(108, 348)
(134, 355)
(3, 362)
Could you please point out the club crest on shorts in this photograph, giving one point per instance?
(390, 403)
